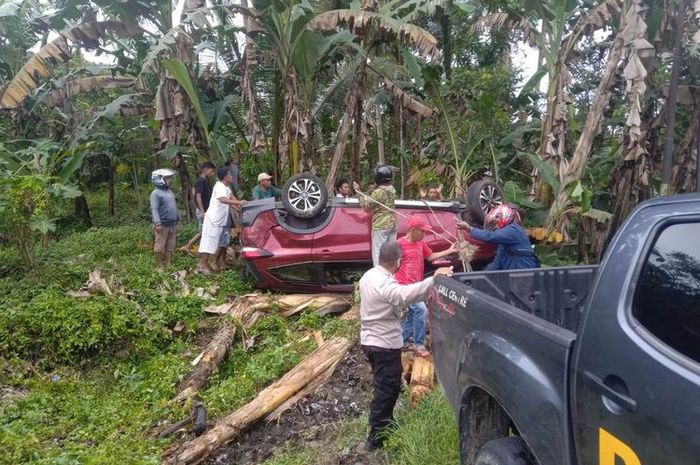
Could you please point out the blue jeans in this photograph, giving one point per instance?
(415, 324)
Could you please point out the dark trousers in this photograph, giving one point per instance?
(386, 380)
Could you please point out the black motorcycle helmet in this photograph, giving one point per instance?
(383, 174)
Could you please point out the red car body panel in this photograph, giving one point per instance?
(330, 255)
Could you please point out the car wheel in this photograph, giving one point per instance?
(505, 451)
(482, 197)
(304, 195)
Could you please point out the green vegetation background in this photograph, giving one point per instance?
(88, 381)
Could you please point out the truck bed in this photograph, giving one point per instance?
(511, 334)
(557, 295)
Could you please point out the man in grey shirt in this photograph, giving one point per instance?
(165, 217)
(381, 300)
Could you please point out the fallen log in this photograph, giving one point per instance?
(208, 362)
(352, 314)
(288, 305)
(248, 309)
(214, 353)
(422, 378)
(229, 427)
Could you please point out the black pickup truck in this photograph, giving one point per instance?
(580, 365)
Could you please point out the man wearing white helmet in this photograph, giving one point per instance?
(165, 217)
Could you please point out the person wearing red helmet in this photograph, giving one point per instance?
(503, 227)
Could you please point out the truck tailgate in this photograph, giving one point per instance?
(519, 356)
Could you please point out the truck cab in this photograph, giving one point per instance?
(581, 365)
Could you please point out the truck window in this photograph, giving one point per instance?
(667, 300)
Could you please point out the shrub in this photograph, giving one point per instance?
(62, 329)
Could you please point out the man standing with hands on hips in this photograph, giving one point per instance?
(381, 301)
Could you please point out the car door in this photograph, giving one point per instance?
(343, 248)
(637, 379)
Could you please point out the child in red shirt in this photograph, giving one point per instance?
(415, 252)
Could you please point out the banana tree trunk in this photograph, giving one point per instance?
(553, 139)
(255, 134)
(82, 210)
(294, 133)
(667, 167)
(186, 185)
(354, 95)
(558, 216)
(380, 134)
(277, 125)
(359, 148)
(683, 176)
(230, 427)
(630, 178)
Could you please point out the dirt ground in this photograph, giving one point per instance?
(315, 419)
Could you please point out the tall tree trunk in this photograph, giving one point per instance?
(307, 161)
(445, 27)
(380, 134)
(557, 217)
(257, 139)
(359, 146)
(673, 100)
(629, 183)
(554, 136)
(355, 94)
(683, 177)
(630, 178)
(294, 132)
(186, 185)
(82, 210)
(277, 125)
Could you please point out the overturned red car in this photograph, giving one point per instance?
(308, 243)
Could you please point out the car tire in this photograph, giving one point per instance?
(482, 197)
(505, 451)
(304, 195)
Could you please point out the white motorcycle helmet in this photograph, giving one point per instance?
(158, 175)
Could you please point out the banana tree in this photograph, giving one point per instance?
(631, 35)
(374, 25)
(555, 27)
(299, 55)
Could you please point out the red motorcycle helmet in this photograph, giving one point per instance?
(501, 216)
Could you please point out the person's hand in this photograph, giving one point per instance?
(453, 248)
(159, 227)
(356, 186)
(463, 225)
(244, 203)
(444, 271)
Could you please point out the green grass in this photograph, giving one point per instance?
(88, 381)
(427, 434)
